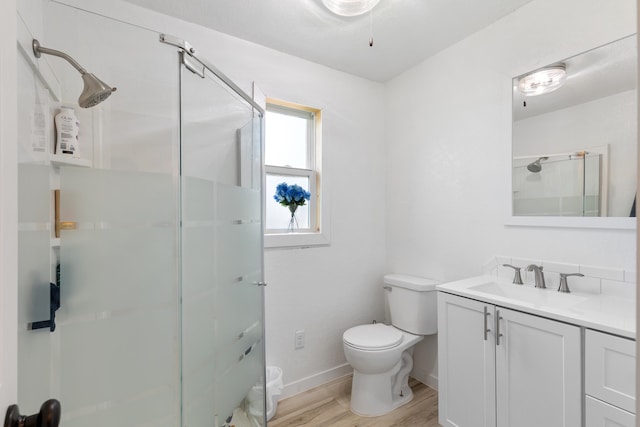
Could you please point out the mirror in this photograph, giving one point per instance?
(574, 146)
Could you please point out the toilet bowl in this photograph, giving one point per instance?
(380, 378)
(382, 355)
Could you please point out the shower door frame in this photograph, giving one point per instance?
(187, 55)
(8, 206)
(185, 47)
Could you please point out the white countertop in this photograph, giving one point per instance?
(602, 312)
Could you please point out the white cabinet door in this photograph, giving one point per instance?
(466, 362)
(601, 414)
(538, 371)
(610, 362)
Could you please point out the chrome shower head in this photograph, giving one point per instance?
(536, 167)
(95, 90)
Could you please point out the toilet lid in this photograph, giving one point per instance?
(376, 336)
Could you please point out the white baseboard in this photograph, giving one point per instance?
(430, 380)
(315, 380)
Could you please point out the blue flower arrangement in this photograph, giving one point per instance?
(291, 195)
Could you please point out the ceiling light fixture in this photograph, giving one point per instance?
(350, 7)
(543, 81)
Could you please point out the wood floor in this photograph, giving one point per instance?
(328, 405)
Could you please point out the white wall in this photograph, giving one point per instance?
(324, 291)
(448, 131)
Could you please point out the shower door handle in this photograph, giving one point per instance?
(49, 416)
(54, 305)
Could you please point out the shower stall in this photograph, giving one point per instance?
(567, 184)
(140, 262)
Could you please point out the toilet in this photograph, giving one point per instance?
(381, 355)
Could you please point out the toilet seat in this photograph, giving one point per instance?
(372, 337)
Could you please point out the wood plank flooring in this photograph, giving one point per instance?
(328, 406)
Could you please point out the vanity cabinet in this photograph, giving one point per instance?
(500, 367)
(609, 380)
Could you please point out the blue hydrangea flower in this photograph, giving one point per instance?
(291, 194)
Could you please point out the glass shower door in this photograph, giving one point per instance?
(221, 252)
(113, 357)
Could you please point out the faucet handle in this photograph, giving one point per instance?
(517, 279)
(564, 286)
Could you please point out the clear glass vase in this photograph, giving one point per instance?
(293, 222)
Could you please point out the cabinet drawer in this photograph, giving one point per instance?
(610, 369)
(599, 414)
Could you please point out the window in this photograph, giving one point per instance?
(292, 155)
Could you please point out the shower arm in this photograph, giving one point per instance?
(38, 50)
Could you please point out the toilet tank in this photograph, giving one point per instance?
(412, 303)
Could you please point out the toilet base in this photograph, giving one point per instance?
(373, 395)
(377, 411)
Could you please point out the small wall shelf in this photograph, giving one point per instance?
(58, 160)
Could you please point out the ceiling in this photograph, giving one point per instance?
(405, 31)
(591, 75)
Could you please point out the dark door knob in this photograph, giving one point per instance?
(49, 416)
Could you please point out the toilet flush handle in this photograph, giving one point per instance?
(388, 288)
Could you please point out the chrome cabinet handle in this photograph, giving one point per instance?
(498, 334)
(261, 283)
(486, 327)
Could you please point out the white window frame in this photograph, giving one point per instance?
(318, 233)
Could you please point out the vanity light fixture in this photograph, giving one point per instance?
(350, 7)
(542, 81)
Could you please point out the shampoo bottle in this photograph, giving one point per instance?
(67, 127)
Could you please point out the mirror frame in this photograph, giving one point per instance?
(610, 223)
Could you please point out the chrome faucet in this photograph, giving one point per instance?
(564, 286)
(539, 275)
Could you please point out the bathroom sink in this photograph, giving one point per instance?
(610, 313)
(530, 295)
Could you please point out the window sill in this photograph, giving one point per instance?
(295, 240)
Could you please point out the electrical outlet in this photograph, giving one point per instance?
(299, 339)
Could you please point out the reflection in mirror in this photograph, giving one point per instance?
(574, 138)
(569, 184)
